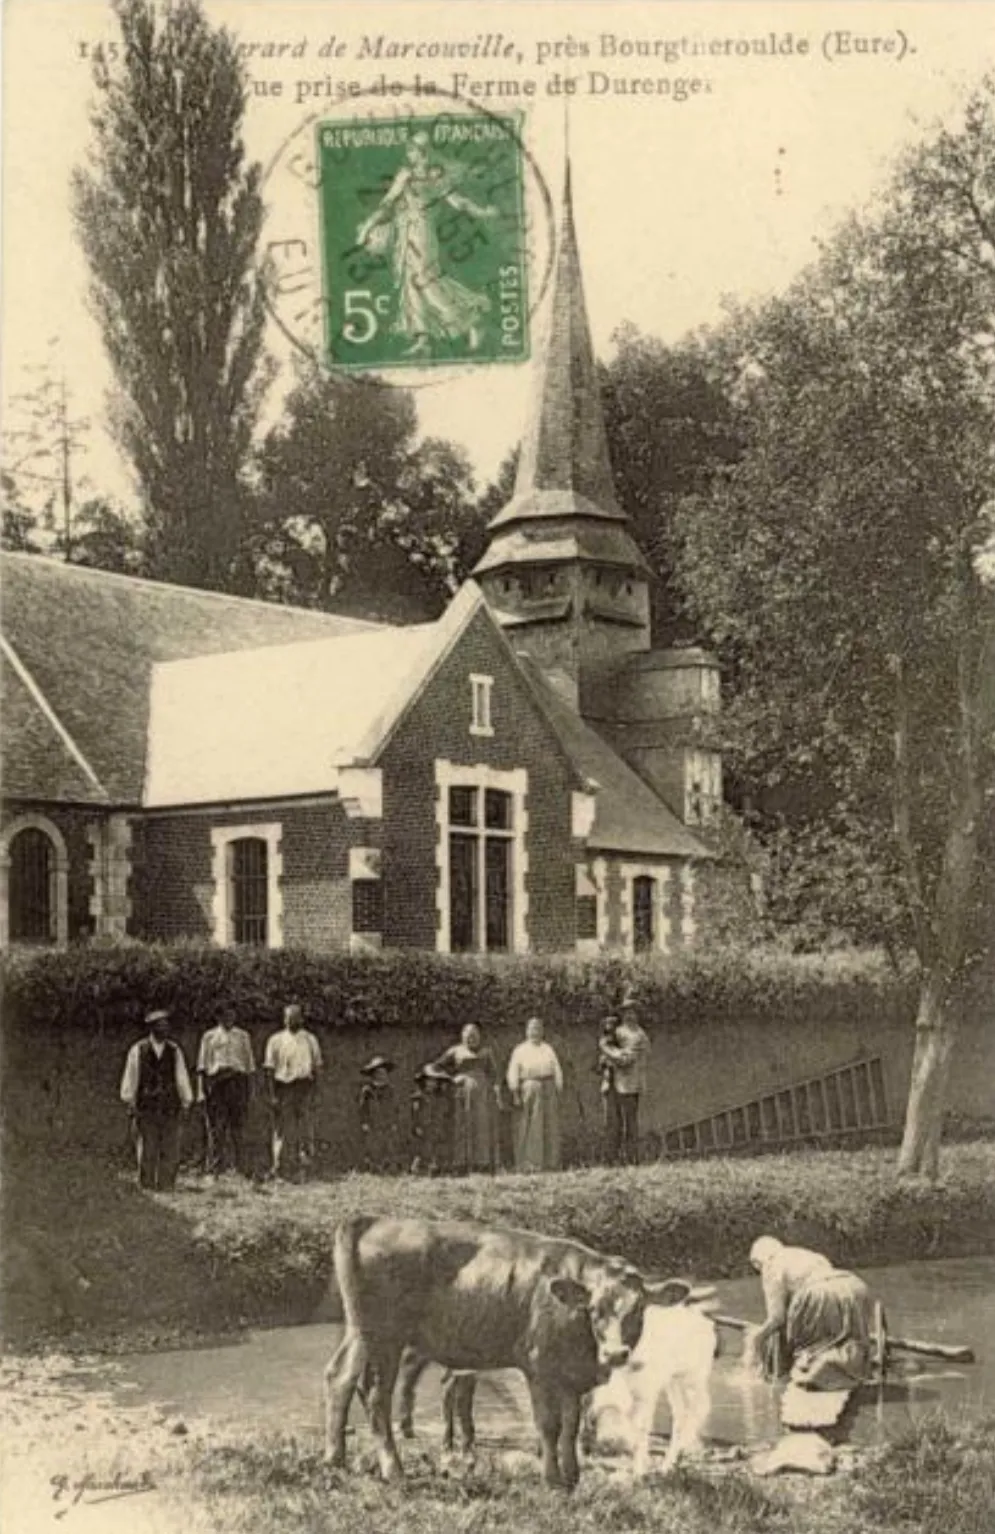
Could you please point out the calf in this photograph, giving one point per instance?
(673, 1358)
(471, 1297)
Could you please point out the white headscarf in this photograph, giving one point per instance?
(763, 1250)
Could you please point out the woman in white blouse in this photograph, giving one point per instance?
(535, 1082)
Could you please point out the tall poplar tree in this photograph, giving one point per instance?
(169, 215)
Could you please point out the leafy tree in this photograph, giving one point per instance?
(19, 530)
(42, 440)
(105, 538)
(841, 563)
(670, 425)
(352, 509)
(169, 217)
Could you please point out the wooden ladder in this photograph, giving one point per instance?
(847, 1101)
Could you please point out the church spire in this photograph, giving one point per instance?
(561, 568)
(564, 468)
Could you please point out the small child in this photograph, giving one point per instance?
(604, 1066)
(432, 1119)
(376, 1113)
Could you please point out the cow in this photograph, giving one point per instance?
(674, 1359)
(473, 1297)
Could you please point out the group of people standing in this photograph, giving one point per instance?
(455, 1113)
(457, 1102)
(156, 1089)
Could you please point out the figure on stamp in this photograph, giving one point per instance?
(431, 305)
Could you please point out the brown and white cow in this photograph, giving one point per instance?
(473, 1297)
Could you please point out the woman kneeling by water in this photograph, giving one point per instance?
(820, 1319)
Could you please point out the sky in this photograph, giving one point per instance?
(678, 203)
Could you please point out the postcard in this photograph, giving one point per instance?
(498, 702)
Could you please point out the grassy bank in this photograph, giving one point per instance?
(691, 1217)
(147, 1470)
(161, 1268)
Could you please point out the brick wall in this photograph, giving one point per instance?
(438, 726)
(173, 877)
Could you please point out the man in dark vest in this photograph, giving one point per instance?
(155, 1088)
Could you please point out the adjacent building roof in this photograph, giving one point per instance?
(40, 760)
(282, 720)
(123, 691)
(629, 817)
(88, 641)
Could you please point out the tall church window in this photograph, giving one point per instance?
(643, 913)
(31, 887)
(481, 832)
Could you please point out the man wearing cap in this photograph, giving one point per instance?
(820, 1319)
(292, 1065)
(376, 1117)
(628, 1058)
(225, 1068)
(156, 1090)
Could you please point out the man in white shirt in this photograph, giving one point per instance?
(292, 1064)
(156, 1090)
(820, 1319)
(225, 1068)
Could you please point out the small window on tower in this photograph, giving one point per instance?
(480, 710)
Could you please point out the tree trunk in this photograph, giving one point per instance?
(936, 1029)
(936, 1020)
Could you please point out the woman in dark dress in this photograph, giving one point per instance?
(473, 1069)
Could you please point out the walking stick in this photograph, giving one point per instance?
(209, 1145)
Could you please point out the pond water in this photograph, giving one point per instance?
(272, 1379)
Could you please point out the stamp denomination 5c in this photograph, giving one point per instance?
(423, 258)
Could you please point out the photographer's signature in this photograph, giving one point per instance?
(71, 1492)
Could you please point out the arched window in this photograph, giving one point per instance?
(32, 887)
(248, 895)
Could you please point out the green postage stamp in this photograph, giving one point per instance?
(422, 241)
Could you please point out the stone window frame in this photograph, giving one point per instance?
(513, 781)
(661, 874)
(221, 839)
(60, 880)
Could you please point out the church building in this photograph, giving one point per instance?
(525, 774)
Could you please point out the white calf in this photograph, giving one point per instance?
(673, 1358)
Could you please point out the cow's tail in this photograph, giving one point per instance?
(345, 1262)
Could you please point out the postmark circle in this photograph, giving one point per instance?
(409, 245)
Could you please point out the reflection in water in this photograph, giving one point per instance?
(274, 1380)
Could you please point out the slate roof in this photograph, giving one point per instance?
(89, 640)
(629, 817)
(245, 699)
(564, 471)
(282, 720)
(38, 762)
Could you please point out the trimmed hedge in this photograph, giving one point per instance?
(110, 988)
